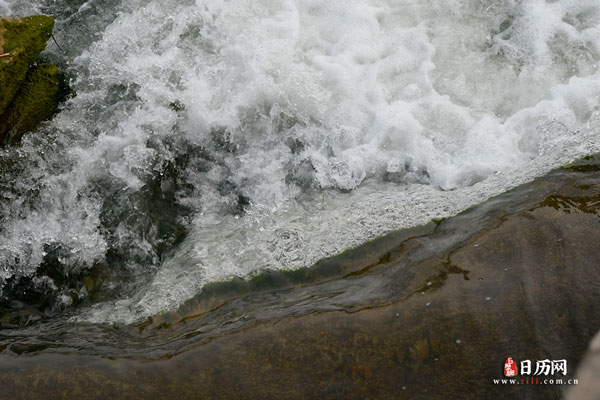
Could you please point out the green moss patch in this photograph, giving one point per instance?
(590, 163)
(24, 39)
(36, 101)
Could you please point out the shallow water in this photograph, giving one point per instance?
(211, 139)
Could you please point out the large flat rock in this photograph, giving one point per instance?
(433, 314)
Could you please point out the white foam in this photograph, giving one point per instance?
(386, 102)
(20, 8)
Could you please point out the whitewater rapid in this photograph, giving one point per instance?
(286, 130)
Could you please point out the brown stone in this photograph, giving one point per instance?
(432, 317)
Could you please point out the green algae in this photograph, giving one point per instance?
(438, 221)
(37, 100)
(584, 204)
(24, 39)
(442, 273)
(29, 93)
(589, 163)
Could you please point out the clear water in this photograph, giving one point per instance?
(280, 132)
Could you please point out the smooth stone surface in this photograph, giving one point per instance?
(517, 276)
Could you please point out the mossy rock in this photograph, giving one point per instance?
(36, 101)
(23, 39)
(29, 93)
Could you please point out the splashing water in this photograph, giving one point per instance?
(276, 133)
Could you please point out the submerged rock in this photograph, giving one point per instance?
(29, 93)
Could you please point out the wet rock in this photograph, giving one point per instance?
(37, 101)
(23, 39)
(29, 93)
(429, 315)
(51, 291)
(18, 315)
(15, 304)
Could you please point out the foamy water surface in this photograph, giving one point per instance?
(284, 131)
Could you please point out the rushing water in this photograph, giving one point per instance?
(214, 138)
